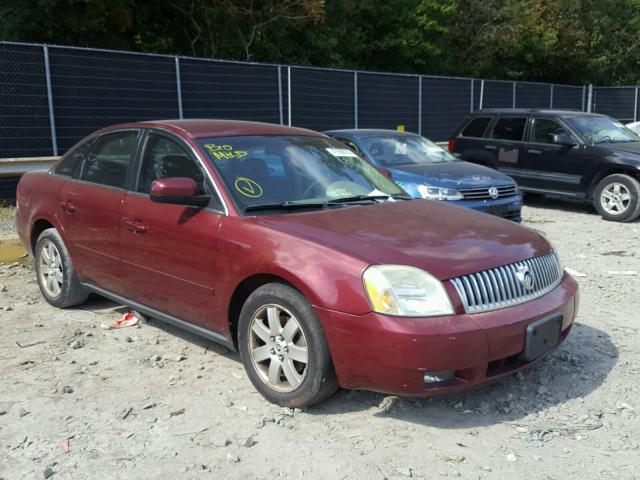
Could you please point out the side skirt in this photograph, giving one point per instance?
(176, 322)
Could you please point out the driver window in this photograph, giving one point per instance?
(164, 158)
(544, 130)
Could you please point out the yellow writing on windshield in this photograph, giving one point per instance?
(224, 152)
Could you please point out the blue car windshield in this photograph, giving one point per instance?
(390, 150)
(602, 130)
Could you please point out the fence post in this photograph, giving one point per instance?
(179, 87)
(590, 98)
(635, 106)
(471, 102)
(420, 105)
(551, 97)
(289, 96)
(513, 99)
(582, 106)
(280, 107)
(355, 99)
(52, 119)
(481, 95)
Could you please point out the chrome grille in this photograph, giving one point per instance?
(505, 286)
(483, 192)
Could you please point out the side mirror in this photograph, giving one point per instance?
(177, 190)
(563, 139)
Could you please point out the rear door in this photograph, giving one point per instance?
(169, 250)
(89, 208)
(549, 167)
(506, 142)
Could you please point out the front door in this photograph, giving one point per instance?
(89, 209)
(547, 166)
(169, 250)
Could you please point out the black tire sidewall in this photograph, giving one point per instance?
(634, 189)
(72, 292)
(319, 382)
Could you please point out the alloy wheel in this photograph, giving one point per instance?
(50, 269)
(278, 348)
(615, 198)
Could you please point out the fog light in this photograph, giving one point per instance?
(436, 377)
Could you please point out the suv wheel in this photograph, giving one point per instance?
(56, 277)
(283, 348)
(617, 198)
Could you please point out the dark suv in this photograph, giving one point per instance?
(573, 154)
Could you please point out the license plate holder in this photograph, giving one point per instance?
(542, 336)
(498, 210)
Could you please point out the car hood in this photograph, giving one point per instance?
(450, 175)
(443, 239)
(624, 148)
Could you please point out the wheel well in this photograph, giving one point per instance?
(38, 227)
(240, 295)
(605, 173)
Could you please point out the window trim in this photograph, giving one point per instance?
(486, 127)
(523, 139)
(193, 154)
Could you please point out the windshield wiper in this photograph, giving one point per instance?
(284, 206)
(360, 198)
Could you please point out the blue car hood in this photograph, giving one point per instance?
(450, 175)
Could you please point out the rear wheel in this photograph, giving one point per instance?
(617, 198)
(283, 348)
(56, 276)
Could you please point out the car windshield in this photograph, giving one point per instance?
(602, 130)
(390, 150)
(294, 170)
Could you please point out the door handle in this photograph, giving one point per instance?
(68, 206)
(490, 147)
(135, 226)
(535, 152)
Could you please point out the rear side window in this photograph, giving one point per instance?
(508, 128)
(476, 127)
(109, 159)
(71, 164)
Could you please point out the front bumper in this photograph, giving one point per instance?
(509, 207)
(392, 354)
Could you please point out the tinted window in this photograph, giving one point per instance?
(544, 130)
(476, 127)
(109, 159)
(71, 164)
(509, 128)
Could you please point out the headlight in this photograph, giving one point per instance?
(437, 193)
(405, 291)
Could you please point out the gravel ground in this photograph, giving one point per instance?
(77, 401)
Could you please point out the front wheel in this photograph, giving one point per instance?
(56, 276)
(617, 198)
(283, 348)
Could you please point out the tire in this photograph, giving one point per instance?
(57, 278)
(273, 355)
(617, 198)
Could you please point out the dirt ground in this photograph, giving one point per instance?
(78, 401)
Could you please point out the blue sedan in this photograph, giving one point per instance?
(425, 170)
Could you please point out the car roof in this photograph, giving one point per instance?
(366, 131)
(202, 128)
(540, 111)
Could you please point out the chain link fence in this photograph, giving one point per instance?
(53, 96)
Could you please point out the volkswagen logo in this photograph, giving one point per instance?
(493, 192)
(525, 277)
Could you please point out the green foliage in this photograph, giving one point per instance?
(568, 41)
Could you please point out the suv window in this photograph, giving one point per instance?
(165, 158)
(71, 164)
(508, 128)
(110, 157)
(544, 129)
(476, 127)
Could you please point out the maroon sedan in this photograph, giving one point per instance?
(286, 245)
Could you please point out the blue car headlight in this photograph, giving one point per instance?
(438, 193)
